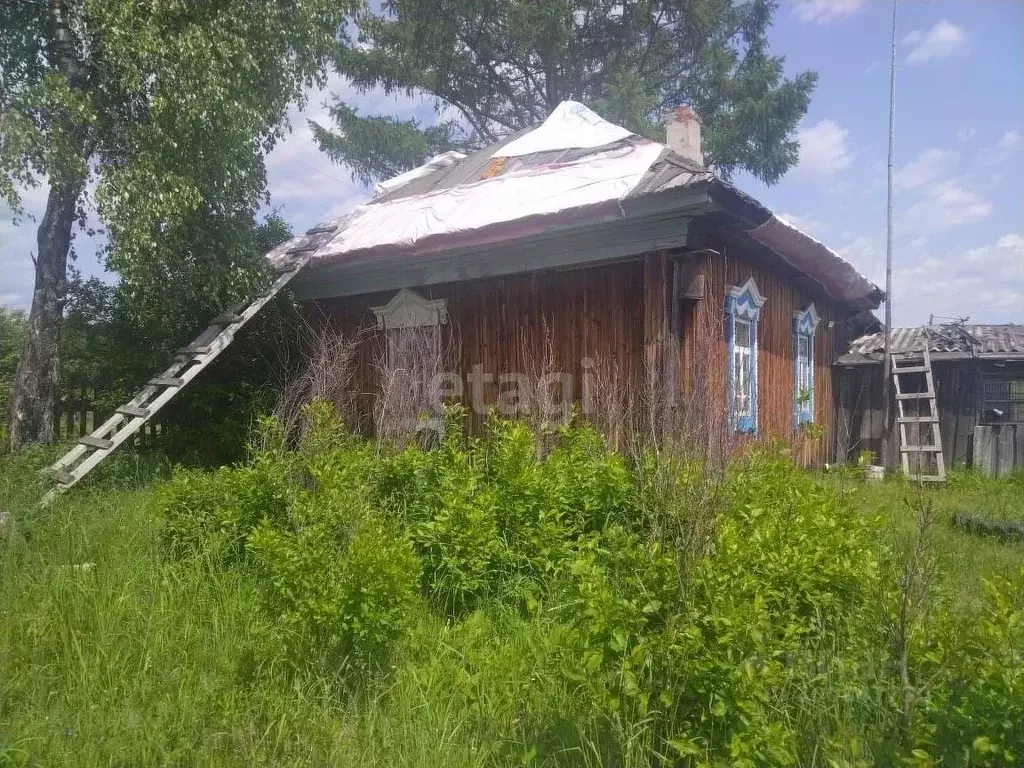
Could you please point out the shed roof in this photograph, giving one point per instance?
(945, 342)
(498, 196)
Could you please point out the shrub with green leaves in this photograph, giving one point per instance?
(214, 512)
(970, 710)
(343, 581)
(792, 573)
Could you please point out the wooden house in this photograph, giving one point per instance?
(978, 372)
(581, 263)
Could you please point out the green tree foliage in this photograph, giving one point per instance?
(166, 110)
(495, 67)
(12, 333)
(106, 347)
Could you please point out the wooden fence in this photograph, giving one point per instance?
(83, 407)
(999, 448)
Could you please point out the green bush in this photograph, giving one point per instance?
(764, 645)
(971, 707)
(792, 573)
(343, 582)
(215, 512)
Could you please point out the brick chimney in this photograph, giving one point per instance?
(682, 133)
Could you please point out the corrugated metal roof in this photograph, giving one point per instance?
(945, 342)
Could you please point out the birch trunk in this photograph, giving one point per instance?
(34, 394)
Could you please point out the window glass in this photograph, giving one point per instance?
(804, 394)
(742, 361)
(742, 333)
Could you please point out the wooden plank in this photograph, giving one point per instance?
(1004, 449)
(96, 442)
(1018, 453)
(134, 411)
(167, 381)
(228, 318)
(64, 478)
(984, 449)
(910, 369)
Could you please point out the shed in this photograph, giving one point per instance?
(979, 382)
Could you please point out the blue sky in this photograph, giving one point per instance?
(959, 206)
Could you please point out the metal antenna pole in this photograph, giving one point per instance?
(886, 395)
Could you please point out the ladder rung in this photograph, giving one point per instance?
(226, 319)
(62, 477)
(134, 412)
(911, 369)
(918, 420)
(166, 382)
(916, 396)
(96, 442)
(921, 448)
(188, 354)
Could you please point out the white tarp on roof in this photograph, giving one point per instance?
(435, 163)
(515, 195)
(602, 177)
(570, 126)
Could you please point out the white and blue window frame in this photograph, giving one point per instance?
(742, 314)
(805, 325)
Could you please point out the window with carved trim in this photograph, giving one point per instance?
(805, 325)
(412, 362)
(742, 312)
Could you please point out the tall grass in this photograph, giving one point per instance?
(114, 653)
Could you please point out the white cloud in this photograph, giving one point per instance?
(825, 11)
(985, 283)
(1007, 145)
(1009, 142)
(966, 134)
(943, 40)
(807, 224)
(867, 254)
(944, 205)
(927, 167)
(823, 149)
(306, 186)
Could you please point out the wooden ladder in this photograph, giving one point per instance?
(189, 362)
(904, 364)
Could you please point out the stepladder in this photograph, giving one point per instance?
(188, 363)
(917, 415)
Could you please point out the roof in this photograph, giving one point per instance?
(574, 171)
(945, 342)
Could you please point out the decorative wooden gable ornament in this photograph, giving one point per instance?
(806, 321)
(744, 300)
(410, 310)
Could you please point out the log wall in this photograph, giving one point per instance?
(656, 320)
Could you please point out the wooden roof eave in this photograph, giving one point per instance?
(651, 223)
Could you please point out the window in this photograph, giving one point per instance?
(805, 323)
(1002, 400)
(743, 309)
(412, 362)
(742, 358)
